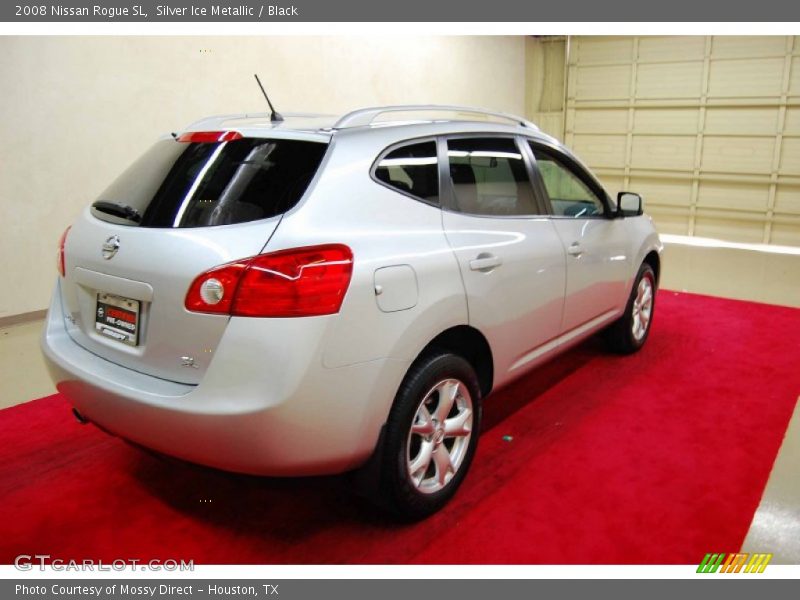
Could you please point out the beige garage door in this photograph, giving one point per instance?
(707, 129)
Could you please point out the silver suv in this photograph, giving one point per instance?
(310, 295)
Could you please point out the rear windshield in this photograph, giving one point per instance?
(178, 184)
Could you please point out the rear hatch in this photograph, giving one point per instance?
(184, 207)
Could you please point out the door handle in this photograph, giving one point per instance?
(485, 262)
(575, 249)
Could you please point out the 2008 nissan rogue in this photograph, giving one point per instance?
(312, 295)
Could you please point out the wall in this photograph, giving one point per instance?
(77, 110)
(545, 81)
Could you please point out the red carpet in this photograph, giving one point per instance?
(654, 458)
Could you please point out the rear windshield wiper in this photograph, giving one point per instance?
(118, 210)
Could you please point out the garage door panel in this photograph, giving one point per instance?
(600, 150)
(601, 121)
(787, 199)
(746, 78)
(792, 123)
(669, 80)
(666, 120)
(738, 196)
(727, 154)
(794, 81)
(603, 82)
(660, 48)
(662, 152)
(706, 128)
(742, 121)
(790, 156)
(786, 234)
(669, 221)
(746, 46)
(603, 49)
(612, 184)
(737, 230)
(662, 192)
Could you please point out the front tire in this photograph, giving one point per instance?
(629, 333)
(431, 435)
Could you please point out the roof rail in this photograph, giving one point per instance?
(365, 116)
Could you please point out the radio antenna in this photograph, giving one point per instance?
(274, 116)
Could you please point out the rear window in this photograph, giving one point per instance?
(176, 184)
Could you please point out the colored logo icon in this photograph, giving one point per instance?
(741, 562)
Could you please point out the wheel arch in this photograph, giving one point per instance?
(654, 260)
(472, 345)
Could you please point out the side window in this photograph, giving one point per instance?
(489, 177)
(569, 196)
(412, 169)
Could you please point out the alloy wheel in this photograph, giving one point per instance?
(642, 308)
(439, 436)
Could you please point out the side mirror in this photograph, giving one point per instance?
(629, 204)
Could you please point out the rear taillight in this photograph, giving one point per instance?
(299, 282)
(60, 256)
(209, 137)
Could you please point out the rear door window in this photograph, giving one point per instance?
(489, 177)
(411, 169)
(176, 184)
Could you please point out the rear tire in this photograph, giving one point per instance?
(629, 333)
(430, 436)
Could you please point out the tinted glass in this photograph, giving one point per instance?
(412, 169)
(569, 196)
(177, 184)
(489, 177)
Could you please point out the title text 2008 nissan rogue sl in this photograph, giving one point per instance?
(310, 295)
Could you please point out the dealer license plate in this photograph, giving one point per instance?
(117, 318)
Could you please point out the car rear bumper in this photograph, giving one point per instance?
(266, 405)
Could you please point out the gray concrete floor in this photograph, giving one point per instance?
(745, 274)
(776, 526)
